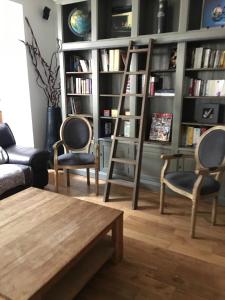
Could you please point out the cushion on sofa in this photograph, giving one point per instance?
(3, 156)
(12, 176)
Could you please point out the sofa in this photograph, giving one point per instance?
(20, 167)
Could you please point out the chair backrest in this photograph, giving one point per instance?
(210, 151)
(6, 136)
(76, 133)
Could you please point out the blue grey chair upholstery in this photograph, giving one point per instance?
(76, 138)
(205, 181)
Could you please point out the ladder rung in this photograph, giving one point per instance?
(133, 95)
(136, 73)
(139, 50)
(121, 182)
(126, 139)
(124, 161)
(129, 117)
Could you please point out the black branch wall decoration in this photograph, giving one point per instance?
(47, 73)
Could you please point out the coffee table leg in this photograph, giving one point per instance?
(117, 239)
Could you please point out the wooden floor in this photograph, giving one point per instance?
(160, 260)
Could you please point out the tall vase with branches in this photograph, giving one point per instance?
(47, 78)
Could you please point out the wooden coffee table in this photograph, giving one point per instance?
(52, 244)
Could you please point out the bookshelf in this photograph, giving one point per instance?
(183, 33)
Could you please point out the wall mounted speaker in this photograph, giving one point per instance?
(46, 12)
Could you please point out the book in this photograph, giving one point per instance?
(205, 63)
(196, 135)
(111, 60)
(189, 136)
(165, 92)
(126, 130)
(104, 60)
(161, 127)
(198, 57)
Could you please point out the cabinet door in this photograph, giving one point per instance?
(123, 152)
(152, 165)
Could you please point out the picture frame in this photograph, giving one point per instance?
(207, 113)
(121, 21)
(161, 127)
(213, 13)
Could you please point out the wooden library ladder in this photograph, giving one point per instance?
(117, 138)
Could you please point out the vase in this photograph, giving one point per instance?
(161, 16)
(54, 121)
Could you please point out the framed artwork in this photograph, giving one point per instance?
(161, 127)
(213, 13)
(207, 113)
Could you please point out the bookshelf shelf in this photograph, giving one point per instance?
(80, 95)
(109, 118)
(111, 72)
(206, 97)
(205, 69)
(163, 71)
(109, 95)
(161, 97)
(200, 124)
(82, 115)
(78, 73)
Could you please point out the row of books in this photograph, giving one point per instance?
(75, 105)
(155, 87)
(112, 59)
(207, 58)
(191, 135)
(78, 64)
(77, 85)
(198, 87)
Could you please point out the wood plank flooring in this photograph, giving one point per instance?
(160, 260)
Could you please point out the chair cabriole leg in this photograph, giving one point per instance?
(193, 217)
(67, 177)
(214, 211)
(96, 181)
(88, 176)
(56, 180)
(162, 197)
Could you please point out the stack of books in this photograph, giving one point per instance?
(75, 105)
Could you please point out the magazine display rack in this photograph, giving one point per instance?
(113, 24)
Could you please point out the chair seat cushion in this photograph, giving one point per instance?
(76, 159)
(186, 181)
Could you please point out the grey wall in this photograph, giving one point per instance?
(45, 32)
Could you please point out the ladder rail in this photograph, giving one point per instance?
(142, 127)
(117, 123)
(141, 134)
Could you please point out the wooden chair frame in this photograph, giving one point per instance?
(201, 171)
(68, 149)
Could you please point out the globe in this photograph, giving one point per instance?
(79, 22)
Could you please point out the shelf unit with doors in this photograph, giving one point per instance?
(113, 24)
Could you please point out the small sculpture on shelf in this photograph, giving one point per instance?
(161, 16)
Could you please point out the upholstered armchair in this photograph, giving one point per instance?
(205, 181)
(76, 138)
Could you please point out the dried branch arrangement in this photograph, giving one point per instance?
(47, 74)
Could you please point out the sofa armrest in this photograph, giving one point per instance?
(36, 158)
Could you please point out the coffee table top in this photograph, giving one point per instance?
(41, 235)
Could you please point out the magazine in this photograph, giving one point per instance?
(161, 127)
